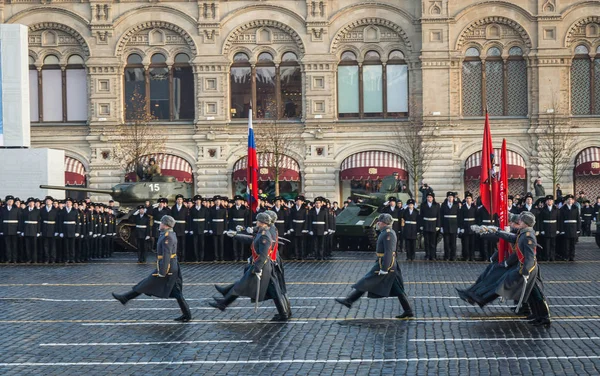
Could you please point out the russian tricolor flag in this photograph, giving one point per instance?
(252, 174)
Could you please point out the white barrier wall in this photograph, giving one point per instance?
(22, 171)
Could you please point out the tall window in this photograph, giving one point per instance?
(585, 82)
(166, 92)
(372, 89)
(77, 96)
(275, 91)
(34, 93)
(52, 93)
(497, 83)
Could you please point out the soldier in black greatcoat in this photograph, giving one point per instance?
(297, 226)
(69, 226)
(142, 233)
(449, 226)
(166, 281)
(548, 219)
(318, 227)
(391, 207)
(280, 223)
(410, 229)
(486, 246)
(49, 229)
(10, 216)
(180, 212)
(30, 230)
(569, 226)
(587, 214)
(198, 227)
(217, 227)
(157, 213)
(429, 224)
(238, 215)
(385, 277)
(467, 217)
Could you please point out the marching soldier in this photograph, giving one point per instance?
(166, 281)
(238, 215)
(49, 229)
(318, 226)
(217, 219)
(298, 226)
(587, 214)
(548, 227)
(199, 216)
(449, 226)
(11, 216)
(385, 277)
(467, 218)
(429, 224)
(30, 230)
(68, 230)
(180, 213)
(142, 233)
(409, 224)
(570, 226)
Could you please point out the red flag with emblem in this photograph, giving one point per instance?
(487, 154)
(501, 200)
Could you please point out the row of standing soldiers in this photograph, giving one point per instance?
(199, 226)
(55, 231)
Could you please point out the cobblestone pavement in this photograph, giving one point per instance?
(61, 320)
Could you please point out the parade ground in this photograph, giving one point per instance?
(62, 320)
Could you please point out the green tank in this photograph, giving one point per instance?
(357, 221)
(130, 195)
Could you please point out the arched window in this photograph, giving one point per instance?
(290, 77)
(275, 91)
(77, 96)
(501, 87)
(241, 86)
(162, 92)
(585, 82)
(472, 83)
(52, 90)
(372, 89)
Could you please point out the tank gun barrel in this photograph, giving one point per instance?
(77, 189)
(370, 197)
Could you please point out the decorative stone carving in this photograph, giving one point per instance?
(355, 32)
(498, 28)
(52, 34)
(151, 33)
(549, 6)
(255, 32)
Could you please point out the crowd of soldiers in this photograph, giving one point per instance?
(55, 231)
(558, 224)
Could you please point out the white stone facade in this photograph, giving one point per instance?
(432, 35)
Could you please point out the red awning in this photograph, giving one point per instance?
(372, 165)
(170, 165)
(588, 162)
(515, 164)
(289, 170)
(74, 172)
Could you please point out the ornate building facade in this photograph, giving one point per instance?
(345, 72)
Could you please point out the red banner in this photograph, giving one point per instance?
(501, 200)
(487, 153)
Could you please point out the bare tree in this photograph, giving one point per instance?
(276, 139)
(138, 136)
(556, 143)
(414, 142)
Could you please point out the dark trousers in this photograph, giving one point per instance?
(69, 249)
(569, 248)
(238, 249)
(549, 248)
(299, 247)
(468, 241)
(319, 246)
(400, 245)
(31, 248)
(141, 249)
(198, 247)
(430, 244)
(586, 228)
(181, 247)
(218, 244)
(486, 249)
(10, 244)
(449, 247)
(411, 245)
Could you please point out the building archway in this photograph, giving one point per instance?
(290, 181)
(75, 177)
(517, 173)
(170, 165)
(587, 173)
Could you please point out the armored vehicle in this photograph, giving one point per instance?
(130, 195)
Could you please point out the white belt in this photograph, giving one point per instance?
(468, 219)
(180, 221)
(410, 222)
(198, 219)
(449, 216)
(318, 223)
(571, 221)
(106, 224)
(298, 221)
(394, 219)
(10, 221)
(280, 221)
(69, 223)
(50, 222)
(587, 215)
(140, 226)
(31, 222)
(549, 220)
(238, 219)
(486, 221)
(218, 220)
(430, 219)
